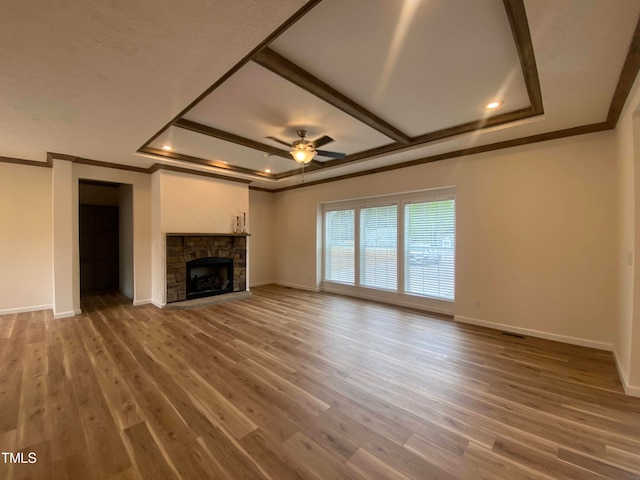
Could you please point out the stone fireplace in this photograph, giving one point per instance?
(201, 265)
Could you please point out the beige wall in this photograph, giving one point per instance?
(194, 204)
(534, 234)
(26, 252)
(261, 242)
(186, 203)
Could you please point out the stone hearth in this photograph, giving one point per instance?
(183, 248)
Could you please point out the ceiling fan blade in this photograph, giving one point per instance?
(279, 141)
(325, 153)
(322, 141)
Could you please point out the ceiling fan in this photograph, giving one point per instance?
(303, 150)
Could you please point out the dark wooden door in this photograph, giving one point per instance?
(99, 249)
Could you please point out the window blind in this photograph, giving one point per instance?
(429, 242)
(339, 253)
(378, 247)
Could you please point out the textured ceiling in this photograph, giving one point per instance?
(96, 79)
(100, 80)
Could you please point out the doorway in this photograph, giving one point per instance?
(105, 237)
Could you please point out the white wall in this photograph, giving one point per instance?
(185, 203)
(627, 341)
(536, 234)
(125, 202)
(26, 242)
(626, 212)
(158, 245)
(66, 270)
(261, 243)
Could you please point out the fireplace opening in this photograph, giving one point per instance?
(209, 276)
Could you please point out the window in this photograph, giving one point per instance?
(379, 247)
(404, 244)
(339, 246)
(429, 236)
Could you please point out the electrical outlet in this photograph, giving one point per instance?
(476, 304)
(630, 258)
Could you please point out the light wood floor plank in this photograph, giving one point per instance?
(294, 385)
(146, 454)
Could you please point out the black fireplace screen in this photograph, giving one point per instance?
(209, 276)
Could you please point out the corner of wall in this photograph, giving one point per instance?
(631, 390)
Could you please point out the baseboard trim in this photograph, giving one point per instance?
(631, 390)
(146, 301)
(294, 285)
(34, 308)
(583, 342)
(58, 316)
(624, 378)
(259, 284)
(157, 304)
(397, 301)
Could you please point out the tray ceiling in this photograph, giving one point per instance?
(412, 80)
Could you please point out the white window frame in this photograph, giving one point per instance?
(340, 208)
(399, 296)
(373, 204)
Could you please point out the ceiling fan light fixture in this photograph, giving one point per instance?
(303, 152)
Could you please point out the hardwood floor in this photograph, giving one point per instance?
(297, 385)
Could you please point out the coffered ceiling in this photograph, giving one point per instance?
(213, 86)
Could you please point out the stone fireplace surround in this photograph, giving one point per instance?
(184, 247)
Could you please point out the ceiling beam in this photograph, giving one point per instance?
(522, 37)
(233, 138)
(286, 69)
(201, 161)
(439, 135)
(230, 137)
(626, 79)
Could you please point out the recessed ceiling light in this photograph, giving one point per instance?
(267, 170)
(493, 105)
(167, 148)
